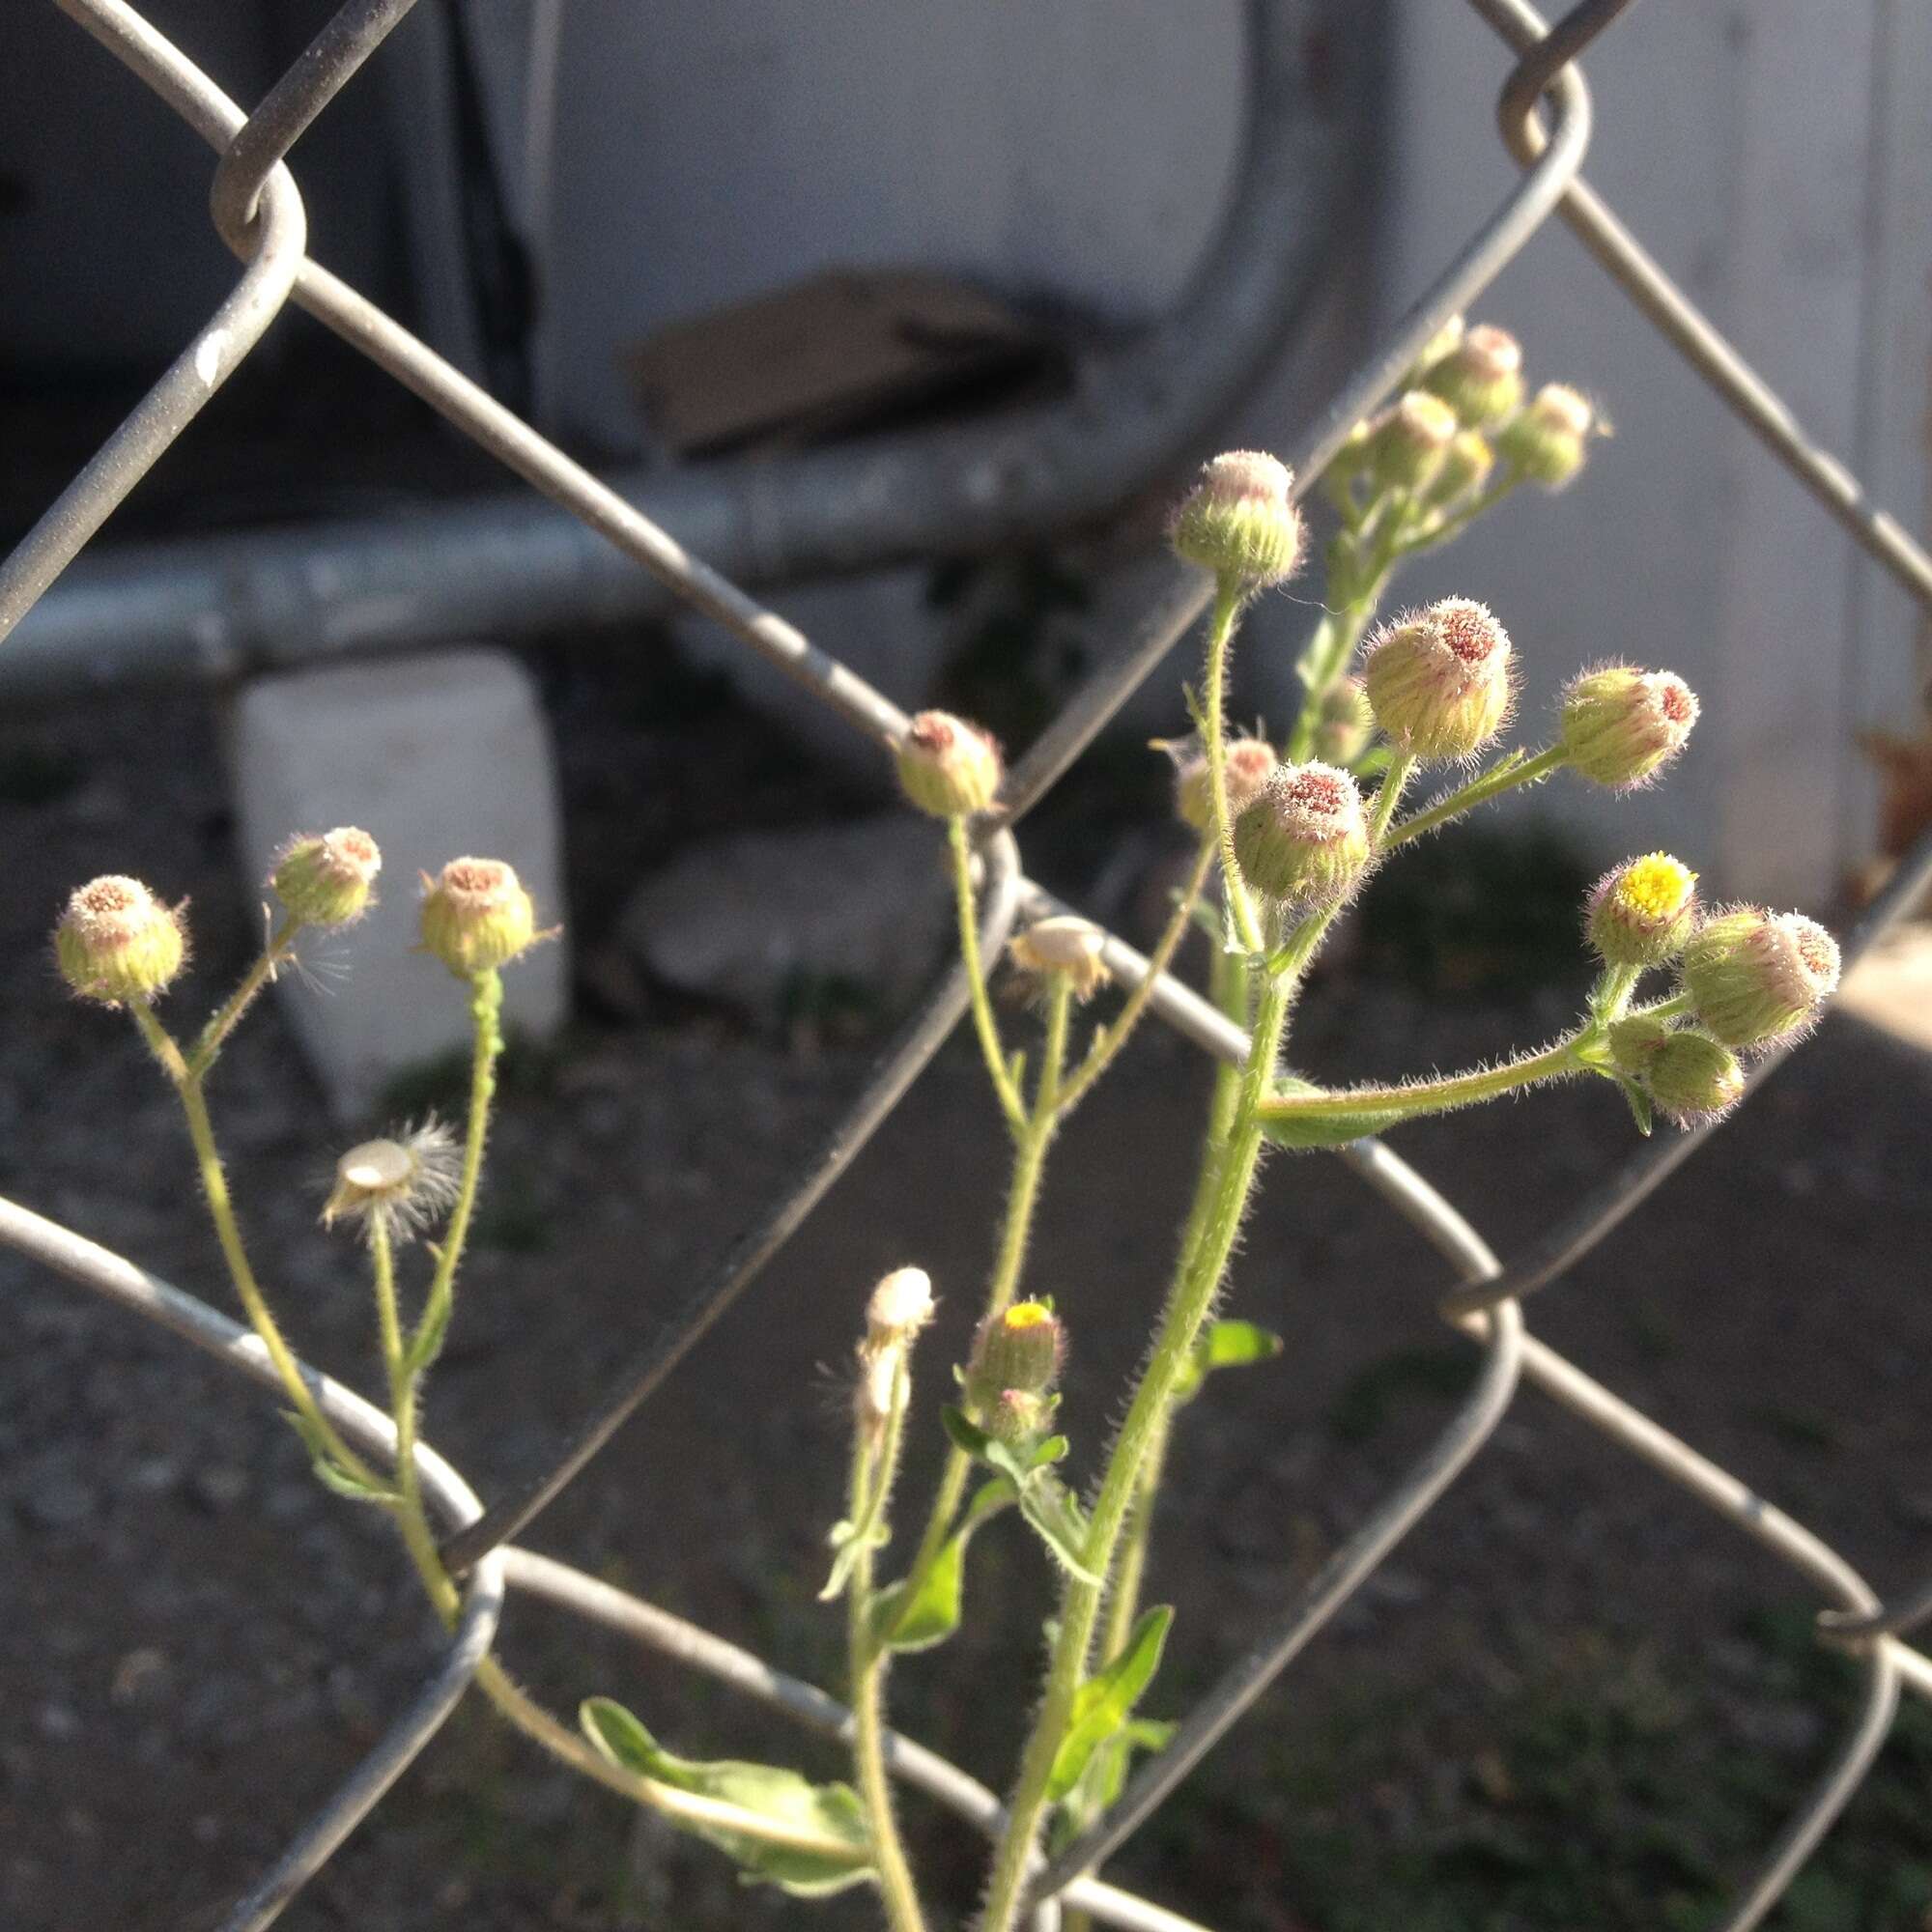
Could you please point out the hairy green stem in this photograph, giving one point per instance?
(1478, 791)
(1556, 1061)
(1214, 744)
(983, 1023)
(227, 1016)
(486, 1012)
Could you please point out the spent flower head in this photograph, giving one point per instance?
(1239, 520)
(1305, 840)
(1546, 440)
(398, 1187)
(1247, 764)
(116, 942)
(1622, 725)
(327, 879)
(1441, 680)
(1757, 977)
(1063, 944)
(901, 1306)
(1641, 912)
(476, 915)
(1410, 440)
(949, 768)
(1480, 379)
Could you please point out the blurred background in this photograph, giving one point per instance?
(917, 316)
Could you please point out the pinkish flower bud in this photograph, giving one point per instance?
(1481, 379)
(1440, 680)
(1546, 442)
(328, 881)
(1020, 1350)
(1305, 839)
(948, 767)
(1247, 764)
(1465, 469)
(1063, 943)
(1634, 1039)
(1344, 722)
(1239, 520)
(1693, 1078)
(1018, 1418)
(116, 942)
(1621, 725)
(1408, 442)
(1755, 977)
(477, 917)
(1640, 913)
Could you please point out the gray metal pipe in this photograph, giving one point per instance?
(210, 607)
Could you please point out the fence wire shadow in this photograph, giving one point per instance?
(257, 207)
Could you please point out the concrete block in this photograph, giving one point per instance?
(437, 756)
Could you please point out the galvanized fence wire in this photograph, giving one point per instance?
(257, 207)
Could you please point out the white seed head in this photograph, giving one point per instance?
(901, 1305)
(397, 1186)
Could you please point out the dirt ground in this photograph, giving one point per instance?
(1571, 1698)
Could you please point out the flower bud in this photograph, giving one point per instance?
(328, 881)
(1239, 521)
(1247, 763)
(1621, 725)
(1466, 467)
(1440, 346)
(476, 917)
(1634, 1039)
(1408, 442)
(948, 767)
(117, 942)
(1346, 464)
(1439, 679)
(1481, 379)
(1755, 976)
(901, 1305)
(1305, 839)
(1546, 442)
(1063, 943)
(1693, 1078)
(1344, 722)
(1018, 1418)
(1640, 913)
(1020, 1350)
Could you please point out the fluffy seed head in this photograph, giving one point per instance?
(1621, 725)
(948, 767)
(1021, 1350)
(1239, 521)
(1410, 440)
(901, 1306)
(1345, 723)
(116, 942)
(1693, 1078)
(1305, 839)
(328, 880)
(476, 915)
(1547, 440)
(1440, 680)
(1248, 763)
(397, 1187)
(1062, 943)
(1755, 977)
(1641, 912)
(1481, 379)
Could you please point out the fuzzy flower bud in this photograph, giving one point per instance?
(1305, 839)
(117, 942)
(1247, 765)
(1062, 943)
(1440, 346)
(1408, 442)
(328, 881)
(1238, 520)
(476, 917)
(1640, 913)
(1465, 469)
(901, 1305)
(1440, 680)
(1344, 722)
(1634, 1039)
(1546, 442)
(1481, 379)
(948, 767)
(1693, 1078)
(1621, 725)
(1018, 1418)
(1020, 1350)
(1755, 977)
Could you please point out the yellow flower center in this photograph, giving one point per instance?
(1657, 887)
(1028, 1315)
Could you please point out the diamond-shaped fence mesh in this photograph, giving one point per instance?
(258, 209)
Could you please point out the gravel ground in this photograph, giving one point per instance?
(1541, 1712)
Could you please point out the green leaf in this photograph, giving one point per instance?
(900, 1622)
(783, 1797)
(1332, 1128)
(966, 1434)
(329, 1471)
(426, 1344)
(1640, 1105)
(1100, 1786)
(1048, 1505)
(1226, 1345)
(1105, 1702)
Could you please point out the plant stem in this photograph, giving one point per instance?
(1010, 1103)
(1556, 1061)
(228, 1016)
(1478, 791)
(1188, 1305)
(486, 1010)
(395, 1361)
(1387, 798)
(1214, 744)
(228, 1232)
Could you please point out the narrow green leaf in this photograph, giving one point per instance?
(829, 1810)
(426, 1344)
(1225, 1345)
(1049, 1507)
(1640, 1105)
(1331, 1129)
(966, 1434)
(329, 1471)
(918, 1623)
(1103, 1704)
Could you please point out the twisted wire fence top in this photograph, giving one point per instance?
(257, 207)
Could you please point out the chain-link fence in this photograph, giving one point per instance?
(258, 212)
